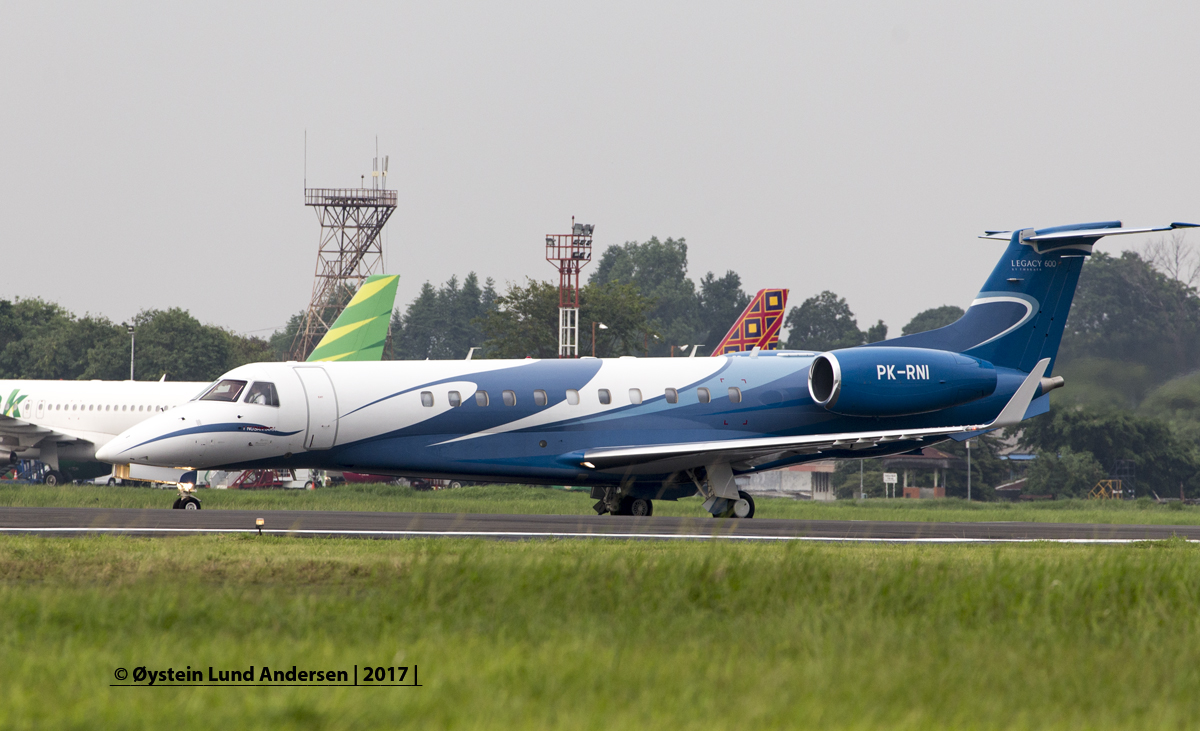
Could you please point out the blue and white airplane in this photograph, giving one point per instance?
(635, 429)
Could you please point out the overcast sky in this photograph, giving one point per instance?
(152, 154)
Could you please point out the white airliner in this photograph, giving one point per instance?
(53, 420)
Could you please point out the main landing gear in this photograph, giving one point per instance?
(612, 501)
(743, 507)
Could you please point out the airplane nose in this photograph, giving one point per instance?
(111, 451)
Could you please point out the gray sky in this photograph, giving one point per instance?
(151, 154)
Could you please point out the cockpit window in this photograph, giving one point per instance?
(227, 390)
(262, 393)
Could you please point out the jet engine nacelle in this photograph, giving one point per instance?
(883, 381)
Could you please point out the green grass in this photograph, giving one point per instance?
(518, 499)
(604, 634)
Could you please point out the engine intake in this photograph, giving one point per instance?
(884, 381)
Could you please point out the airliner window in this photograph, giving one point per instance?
(510, 398)
(263, 394)
(635, 395)
(227, 390)
(427, 398)
(735, 394)
(672, 396)
(605, 396)
(481, 398)
(454, 398)
(539, 397)
(572, 397)
(703, 394)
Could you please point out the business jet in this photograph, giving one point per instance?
(53, 420)
(639, 430)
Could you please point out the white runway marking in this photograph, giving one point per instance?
(535, 534)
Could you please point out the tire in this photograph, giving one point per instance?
(309, 485)
(748, 508)
(177, 505)
(190, 503)
(454, 485)
(111, 481)
(54, 478)
(641, 507)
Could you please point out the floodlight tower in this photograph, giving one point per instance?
(350, 250)
(569, 253)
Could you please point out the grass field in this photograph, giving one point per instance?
(567, 634)
(541, 501)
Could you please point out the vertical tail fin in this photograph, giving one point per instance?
(758, 326)
(360, 331)
(1018, 318)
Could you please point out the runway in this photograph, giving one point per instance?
(305, 523)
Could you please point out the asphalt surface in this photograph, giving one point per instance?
(311, 523)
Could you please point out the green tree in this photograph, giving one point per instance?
(525, 322)
(175, 344)
(721, 302)
(1163, 460)
(823, 322)
(1064, 473)
(659, 271)
(932, 319)
(877, 332)
(1125, 309)
(443, 323)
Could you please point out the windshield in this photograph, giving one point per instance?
(262, 393)
(227, 390)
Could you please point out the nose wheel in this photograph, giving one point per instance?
(187, 503)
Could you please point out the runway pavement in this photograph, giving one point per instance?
(306, 523)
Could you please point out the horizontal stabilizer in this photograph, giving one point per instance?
(1085, 233)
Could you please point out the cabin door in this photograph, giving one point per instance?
(322, 408)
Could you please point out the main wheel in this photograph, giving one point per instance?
(190, 503)
(54, 478)
(626, 507)
(641, 506)
(744, 507)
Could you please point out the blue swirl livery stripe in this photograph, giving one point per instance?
(986, 298)
(225, 427)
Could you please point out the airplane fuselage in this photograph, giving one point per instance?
(528, 420)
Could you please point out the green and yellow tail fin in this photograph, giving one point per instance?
(360, 331)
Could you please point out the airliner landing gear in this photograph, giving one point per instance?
(612, 501)
(743, 507)
(53, 478)
(639, 506)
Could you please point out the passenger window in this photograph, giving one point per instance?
(672, 396)
(427, 398)
(481, 398)
(454, 398)
(703, 394)
(263, 394)
(91, 407)
(539, 397)
(572, 397)
(227, 390)
(140, 407)
(510, 398)
(735, 394)
(605, 396)
(635, 395)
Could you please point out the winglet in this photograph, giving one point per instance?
(1014, 410)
